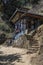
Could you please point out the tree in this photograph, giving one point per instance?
(34, 1)
(1, 6)
(11, 5)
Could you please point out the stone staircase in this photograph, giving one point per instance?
(33, 49)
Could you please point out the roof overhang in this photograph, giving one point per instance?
(25, 14)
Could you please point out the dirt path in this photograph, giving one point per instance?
(14, 56)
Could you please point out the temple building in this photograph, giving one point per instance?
(25, 18)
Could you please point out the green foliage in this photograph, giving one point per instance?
(2, 38)
(0, 1)
(34, 1)
(11, 6)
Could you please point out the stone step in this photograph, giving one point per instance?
(35, 46)
(33, 49)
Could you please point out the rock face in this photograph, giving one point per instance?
(22, 42)
(38, 59)
(39, 34)
(31, 42)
